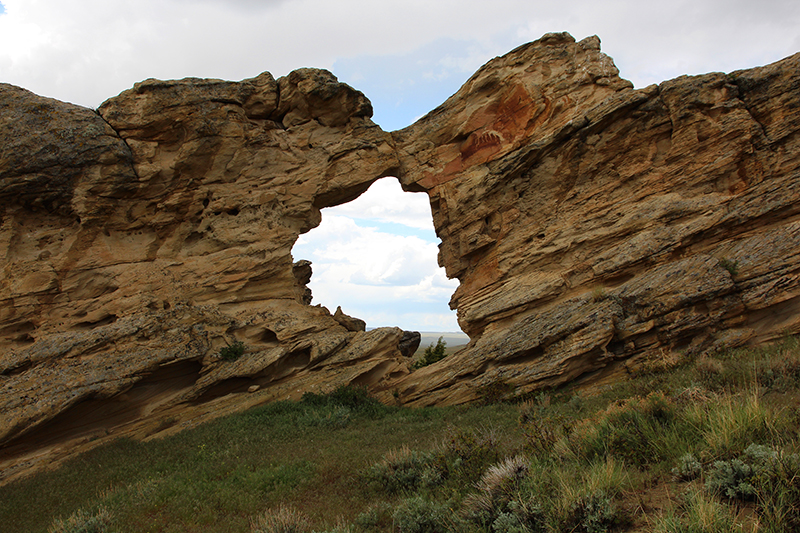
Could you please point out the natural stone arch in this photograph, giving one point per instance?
(591, 226)
(162, 231)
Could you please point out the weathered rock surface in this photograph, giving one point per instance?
(592, 226)
(141, 239)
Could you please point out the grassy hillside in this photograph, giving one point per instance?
(707, 445)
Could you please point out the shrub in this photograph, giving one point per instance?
(405, 470)
(281, 520)
(592, 513)
(688, 468)
(83, 522)
(232, 352)
(432, 354)
(640, 432)
(353, 397)
(464, 454)
(698, 514)
(420, 515)
(496, 488)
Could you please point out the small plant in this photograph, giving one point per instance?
(281, 520)
(635, 431)
(542, 433)
(699, 513)
(778, 493)
(731, 266)
(496, 489)
(465, 454)
(377, 518)
(353, 397)
(741, 478)
(599, 294)
(405, 470)
(780, 375)
(432, 354)
(732, 479)
(504, 475)
(520, 518)
(420, 515)
(592, 513)
(509, 523)
(688, 468)
(232, 352)
(335, 417)
(83, 522)
(340, 528)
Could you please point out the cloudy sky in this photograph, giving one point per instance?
(407, 56)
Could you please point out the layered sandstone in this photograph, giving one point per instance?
(141, 239)
(592, 227)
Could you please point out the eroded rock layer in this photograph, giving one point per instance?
(593, 227)
(140, 240)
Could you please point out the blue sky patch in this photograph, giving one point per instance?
(402, 88)
(395, 228)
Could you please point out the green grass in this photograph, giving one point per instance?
(648, 454)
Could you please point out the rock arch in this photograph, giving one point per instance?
(591, 226)
(376, 257)
(158, 229)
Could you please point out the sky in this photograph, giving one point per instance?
(407, 56)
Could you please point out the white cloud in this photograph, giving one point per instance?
(387, 279)
(385, 201)
(88, 50)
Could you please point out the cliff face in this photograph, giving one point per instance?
(593, 228)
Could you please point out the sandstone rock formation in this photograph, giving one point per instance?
(592, 226)
(140, 239)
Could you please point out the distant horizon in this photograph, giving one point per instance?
(459, 333)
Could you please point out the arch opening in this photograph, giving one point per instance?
(376, 257)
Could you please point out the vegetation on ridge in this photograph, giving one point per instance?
(432, 354)
(708, 445)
